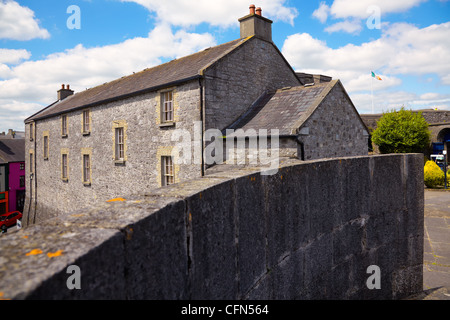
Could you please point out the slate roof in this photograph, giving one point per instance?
(12, 150)
(286, 109)
(170, 73)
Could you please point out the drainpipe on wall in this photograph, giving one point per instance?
(202, 119)
(302, 148)
(35, 172)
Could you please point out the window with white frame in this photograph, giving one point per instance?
(64, 125)
(167, 107)
(64, 166)
(86, 122)
(119, 143)
(86, 169)
(167, 170)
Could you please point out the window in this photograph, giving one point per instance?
(119, 137)
(119, 144)
(86, 169)
(86, 122)
(22, 182)
(167, 170)
(64, 131)
(64, 167)
(167, 107)
(31, 132)
(22, 166)
(31, 162)
(45, 147)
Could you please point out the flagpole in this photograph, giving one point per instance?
(371, 87)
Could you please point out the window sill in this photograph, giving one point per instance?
(86, 133)
(119, 162)
(65, 179)
(45, 158)
(64, 136)
(167, 124)
(86, 184)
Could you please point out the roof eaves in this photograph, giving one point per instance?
(29, 119)
(121, 97)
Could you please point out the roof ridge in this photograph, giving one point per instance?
(179, 70)
(159, 65)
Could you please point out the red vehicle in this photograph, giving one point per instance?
(9, 219)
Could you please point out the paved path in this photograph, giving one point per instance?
(436, 258)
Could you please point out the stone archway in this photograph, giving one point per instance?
(444, 137)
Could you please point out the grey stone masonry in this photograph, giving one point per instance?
(210, 89)
(334, 129)
(240, 78)
(146, 140)
(310, 231)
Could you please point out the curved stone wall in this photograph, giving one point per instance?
(308, 232)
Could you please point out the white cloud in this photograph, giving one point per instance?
(358, 9)
(402, 50)
(354, 12)
(353, 26)
(385, 101)
(322, 12)
(19, 23)
(13, 112)
(216, 13)
(12, 56)
(31, 85)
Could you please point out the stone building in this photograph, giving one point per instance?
(438, 122)
(124, 136)
(12, 172)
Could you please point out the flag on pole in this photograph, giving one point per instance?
(375, 76)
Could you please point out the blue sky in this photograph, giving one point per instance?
(405, 42)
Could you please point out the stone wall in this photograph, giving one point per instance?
(240, 78)
(310, 231)
(145, 142)
(431, 116)
(334, 129)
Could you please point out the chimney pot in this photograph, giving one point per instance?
(64, 92)
(256, 25)
(252, 9)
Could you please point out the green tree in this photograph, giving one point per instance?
(402, 131)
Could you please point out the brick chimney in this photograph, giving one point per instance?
(254, 24)
(64, 92)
